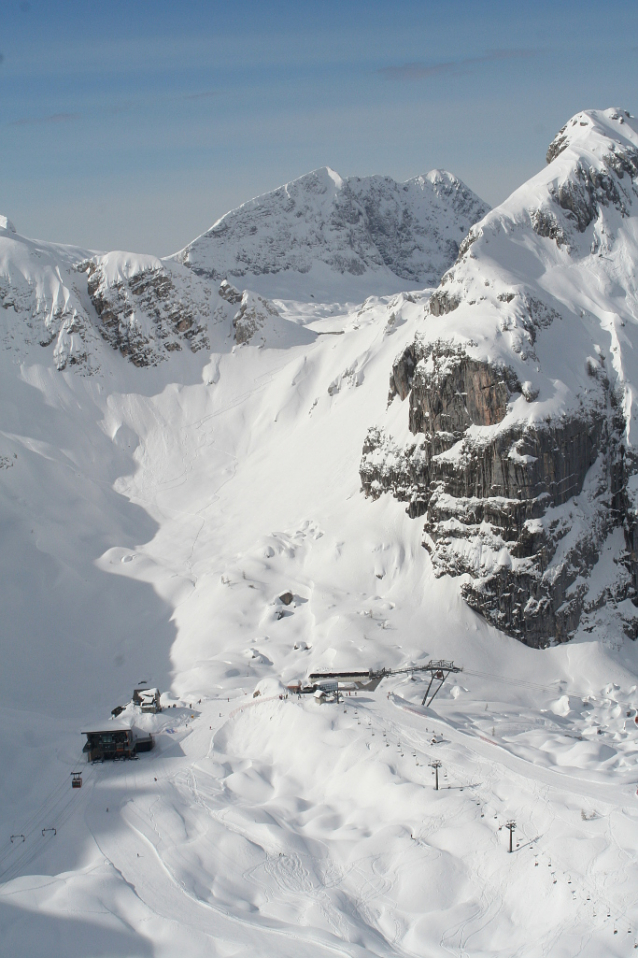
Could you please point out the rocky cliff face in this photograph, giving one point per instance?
(142, 313)
(350, 226)
(64, 299)
(521, 404)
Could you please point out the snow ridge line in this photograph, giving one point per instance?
(249, 705)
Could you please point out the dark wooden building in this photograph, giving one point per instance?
(116, 742)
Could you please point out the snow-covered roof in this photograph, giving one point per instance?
(109, 727)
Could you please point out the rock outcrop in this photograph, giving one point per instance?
(65, 299)
(520, 403)
(253, 314)
(142, 314)
(256, 321)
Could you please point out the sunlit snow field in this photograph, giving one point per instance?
(161, 523)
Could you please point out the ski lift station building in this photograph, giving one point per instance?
(116, 741)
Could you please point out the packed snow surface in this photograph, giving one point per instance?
(152, 516)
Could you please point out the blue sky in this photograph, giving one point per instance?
(136, 123)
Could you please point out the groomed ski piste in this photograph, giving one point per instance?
(151, 520)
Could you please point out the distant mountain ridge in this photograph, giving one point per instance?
(351, 225)
(371, 234)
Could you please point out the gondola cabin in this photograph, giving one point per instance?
(76, 779)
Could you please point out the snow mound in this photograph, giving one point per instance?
(269, 687)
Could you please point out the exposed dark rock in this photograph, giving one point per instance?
(449, 390)
(443, 302)
(558, 144)
(143, 317)
(229, 293)
(586, 189)
(581, 195)
(546, 224)
(471, 238)
(623, 161)
(457, 392)
(252, 315)
(403, 371)
(495, 505)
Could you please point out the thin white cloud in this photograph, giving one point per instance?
(418, 71)
(53, 118)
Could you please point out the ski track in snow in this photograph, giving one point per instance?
(157, 515)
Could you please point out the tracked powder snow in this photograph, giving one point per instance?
(181, 444)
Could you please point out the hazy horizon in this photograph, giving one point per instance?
(137, 130)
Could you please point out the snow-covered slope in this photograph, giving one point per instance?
(360, 233)
(41, 297)
(150, 527)
(522, 384)
(68, 300)
(152, 516)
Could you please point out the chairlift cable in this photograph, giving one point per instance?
(46, 811)
(30, 852)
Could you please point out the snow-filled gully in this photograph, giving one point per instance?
(157, 516)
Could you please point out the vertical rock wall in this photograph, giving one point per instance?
(497, 501)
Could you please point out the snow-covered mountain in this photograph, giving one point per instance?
(67, 301)
(182, 452)
(522, 383)
(70, 302)
(389, 235)
(336, 237)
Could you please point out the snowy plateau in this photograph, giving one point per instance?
(414, 419)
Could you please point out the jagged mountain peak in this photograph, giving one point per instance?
(370, 234)
(6, 224)
(521, 396)
(322, 224)
(592, 130)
